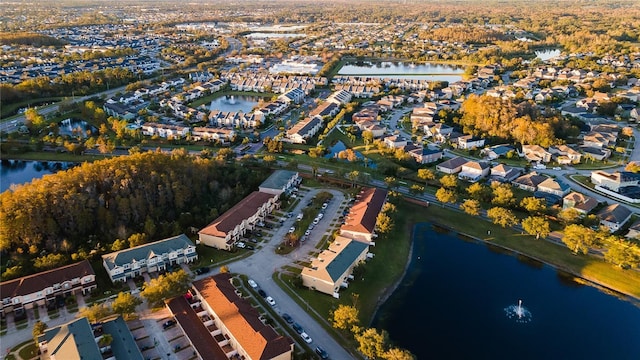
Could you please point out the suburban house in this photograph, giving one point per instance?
(280, 181)
(496, 151)
(535, 153)
(78, 339)
(213, 134)
(340, 97)
(469, 142)
(614, 216)
(376, 130)
(165, 130)
(304, 130)
(554, 187)
(565, 155)
(295, 95)
(581, 203)
(332, 269)
(328, 109)
(360, 223)
(596, 153)
(424, 155)
(634, 231)
(149, 258)
(452, 166)
(229, 227)
(504, 173)
(473, 171)
(41, 289)
(529, 182)
(220, 324)
(395, 141)
(369, 113)
(614, 181)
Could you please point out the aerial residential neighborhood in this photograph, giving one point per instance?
(291, 180)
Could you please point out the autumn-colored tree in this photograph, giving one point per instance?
(501, 216)
(96, 312)
(345, 317)
(622, 253)
(426, 175)
(449, 181)
(166, 286)
(398, 354)
(38, 329)
(477, 191)
(533, 205)
(578, 238)
(371, 343)
(536, 225)
(446, 196)
(471, 207)
(502, 195)
(125, 304)
(384, 223)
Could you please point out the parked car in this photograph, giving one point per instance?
(169, 323)
(250, 247)
(252, 283)
(262, 293)
(202, 270)
(291, 230)
(241, 245)
(297, 328)
(316, 221)
(254, 240)
(323, 354)
(287, 318)
(306, 337)
(271, 301)
(306, 233)
(324, 206)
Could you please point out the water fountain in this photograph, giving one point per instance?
(232, 100)
(518, 312)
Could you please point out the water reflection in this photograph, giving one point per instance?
(18, 172)
(76, 127)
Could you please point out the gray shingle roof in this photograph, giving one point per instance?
(146, 251)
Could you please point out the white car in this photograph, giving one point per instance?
(252, 283)
(306, 233)
(291, 230)
(557, 168)
(241, 245)
(271, 301)
(320, 216)
(316, 221)
(306, 338)
(324, 206)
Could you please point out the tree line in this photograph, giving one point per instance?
(92, 205)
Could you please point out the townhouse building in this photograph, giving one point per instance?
(360, 223)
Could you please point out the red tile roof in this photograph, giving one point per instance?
(33, 283)
(241, 319)
(195, 330)
(364, 213)
(243, 210)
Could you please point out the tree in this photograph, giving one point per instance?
(33, 120)
(579, 238)
(371, 343)
(426, 175)
(96, 312)
(384, 223)
(449, 181)
(125, 304)
(569, 216)
(137, 239)
(502, 195)
(477, 191)
(416, 189)
(398, 354)
(105, 340)
(389, 208)
(118, 245)
(623, 253)
(353, 176)
(391, 182)
(536, 225)
(367, 137)
(533, 205)
(269, 160)
(345, 317)
(471, 207)
(166, 286)
(38, 329)
(49, 261)
(501, 216)
(445, 196)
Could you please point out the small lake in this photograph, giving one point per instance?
(76, 127)
(234, 103)
(455, 302)
(340, 146)
(266, 35)
(547, 54)
(17, 172)
(424, 71)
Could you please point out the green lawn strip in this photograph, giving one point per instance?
(588, 267)
(26, 350)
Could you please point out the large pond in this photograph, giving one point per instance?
(459, 300)
(76, 128)
(234, 103)
(339, 146)
(547, 54)
(17, 172)
(424, 71)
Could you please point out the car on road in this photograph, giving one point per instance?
(271, 301)
(323, 354)
(291, 230)
(262, 293)
(169, 323)
(297, 328)
(252, 283)
(202, 270)
(557, 168)
(287, 318)
(241, 245)
(306, 337)
(324, 206)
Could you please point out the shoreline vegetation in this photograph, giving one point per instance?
(589, 270)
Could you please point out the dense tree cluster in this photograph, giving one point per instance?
(152, 193)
